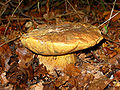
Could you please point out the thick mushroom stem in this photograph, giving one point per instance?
(57, 62)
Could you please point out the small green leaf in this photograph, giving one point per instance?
(106, 30)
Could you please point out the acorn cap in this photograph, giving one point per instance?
(62, 39)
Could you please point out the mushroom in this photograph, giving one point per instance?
(55, 45)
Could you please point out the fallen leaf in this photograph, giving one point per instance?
(71, 68)
(61, 80)
(5, 54)
(99, 84)
(25, 57)
(113, 54)
(117, 75)
(37, 86)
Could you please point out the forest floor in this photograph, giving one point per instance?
(97, 68)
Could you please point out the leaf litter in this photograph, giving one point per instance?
(97, 68)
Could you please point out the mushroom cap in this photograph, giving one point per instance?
(61, 39)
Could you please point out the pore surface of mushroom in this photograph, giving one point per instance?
(55, 43)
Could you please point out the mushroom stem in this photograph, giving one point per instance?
(57, 62)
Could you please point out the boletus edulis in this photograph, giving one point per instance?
(57, 44)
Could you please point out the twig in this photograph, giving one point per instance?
(95, 56)
(4, 9)
(102, 3)
(39, 19)
(71, 13)
(7, 2)
(47, 5)
(12, 16)
(108, 39)
(66, 9)
(15, 18)
(74, 9)
(21, 12)
(88, 2)
(2, 4)
(38, 6)
(109, 19)
(9, 41)
(111, 12)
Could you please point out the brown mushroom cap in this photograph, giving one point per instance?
(58, 40)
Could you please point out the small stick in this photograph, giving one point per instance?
(73, 9)
(94, 55)
(111, 11)
(109, 19)
(12, 16)
(9, 41)
(66, 9)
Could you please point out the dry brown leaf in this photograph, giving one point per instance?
(17, 76)
(25, 57)
(114, 60)
(118, 50)
(117, 75)
(5, 54)
(37, 86)
(72, 71)
(61, 80)
(50, 86)
(40, 71)
(3, 79)
(2, 29)
(113, 54)
(99, 84)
